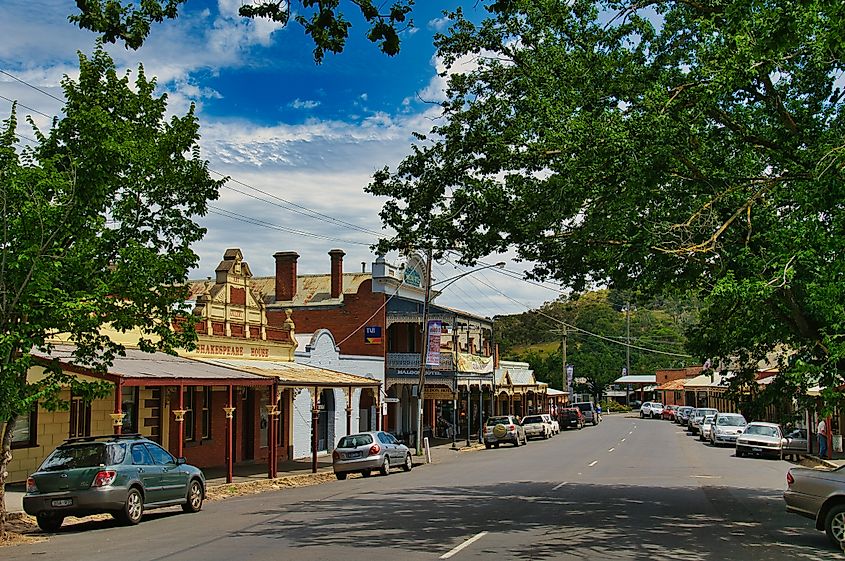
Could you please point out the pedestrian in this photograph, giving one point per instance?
(822, 433)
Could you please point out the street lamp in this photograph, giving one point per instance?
(424, 347)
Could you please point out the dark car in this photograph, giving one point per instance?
(119, 474)
(588, 409)
(571, 417)
(682, 414)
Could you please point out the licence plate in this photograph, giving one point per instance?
(62, 502)
(756, 450)
(352, 455)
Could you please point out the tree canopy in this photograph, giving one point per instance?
(130, 21)
(96, 230)
(657, 145)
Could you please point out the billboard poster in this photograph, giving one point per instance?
(435, 329)
(372, 335)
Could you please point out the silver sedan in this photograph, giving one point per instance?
(820, 496)
(368, 451)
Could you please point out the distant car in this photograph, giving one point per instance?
(682, 414)
(636, 404)
(669, 412)
(501, 429)
(536, 426)
(651, 409)
(706, 428)
(818, 495)
(553, 423)
(571, 417)
(117, 474)
(726, 428)
(591, 415)
(369, 451)
(697, 416)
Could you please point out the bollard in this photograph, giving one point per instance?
(427, 450)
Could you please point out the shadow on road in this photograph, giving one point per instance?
(527, 520)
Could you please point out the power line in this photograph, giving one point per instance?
(25, 107)
(36, 88)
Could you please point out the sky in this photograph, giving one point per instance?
(300, 141)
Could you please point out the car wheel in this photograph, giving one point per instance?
(739, 452)
(701, 437)
(366, 473)
(49, 522)
(487, 445)
(341, 475)
(545, 435)
(385, 467)
(834, 524)
(133, 509)
(195, 496)
(496, 445)
(516, 442)
(595, 422)
(641, 415)
(409, 463)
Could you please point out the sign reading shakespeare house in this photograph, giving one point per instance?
(233, 317)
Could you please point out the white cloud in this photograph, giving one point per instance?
(304, 103)
(439, 24)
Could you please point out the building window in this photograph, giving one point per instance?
(188, 404)
(24, 433)
(129, 407)
(206, 413)
(80, 417)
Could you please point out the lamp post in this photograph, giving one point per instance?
(424, 346)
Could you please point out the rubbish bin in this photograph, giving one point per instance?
(837, 442)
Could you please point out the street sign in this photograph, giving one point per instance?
(391, 400)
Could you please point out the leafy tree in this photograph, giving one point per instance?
(95, 230)
(130, 21)
(663, 145)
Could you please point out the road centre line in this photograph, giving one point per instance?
(612, 449)
(467, 543)
(623, 440)
(558, 486)
(594, 463)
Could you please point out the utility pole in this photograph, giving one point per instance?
(424, 353)
(564, 382)
(627, 349)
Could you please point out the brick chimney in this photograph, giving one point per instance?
(285, 275)
(337, 272)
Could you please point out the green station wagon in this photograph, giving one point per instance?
(119, 474)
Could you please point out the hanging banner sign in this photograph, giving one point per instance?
(435, 329)
(372, 335)
(474, 363)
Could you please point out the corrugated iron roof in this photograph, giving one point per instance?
(673, 385)
(293, 373)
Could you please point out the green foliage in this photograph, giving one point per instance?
(601, 312)
(662, 146)
(130, 21)
(96, 230)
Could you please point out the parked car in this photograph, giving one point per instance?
(117, 474)
(553, 423)
(768, 439)
(591, 415)
(571, 417)
(697, 416)
(669, 412)
(726, 428)
(764, 439)
(506, 428)
(636, 404)
(682, 414)
(536, 426)
(706, 428)
(820, 496)
(368, 451)
(651, 409)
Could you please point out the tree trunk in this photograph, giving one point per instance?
(5, 458)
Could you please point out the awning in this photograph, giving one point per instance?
(139, 368)
(293, 374)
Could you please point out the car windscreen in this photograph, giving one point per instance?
(657, 405)
(732, 421)
(71, 456)
(499, 420)
(355, 440)
(533, 419)
(762, 430)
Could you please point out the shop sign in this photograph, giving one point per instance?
(372, 335)
(438, 393)
(435, 329)
(413, 278)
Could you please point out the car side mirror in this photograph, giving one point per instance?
(181, 461)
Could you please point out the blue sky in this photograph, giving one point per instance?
(284, 128)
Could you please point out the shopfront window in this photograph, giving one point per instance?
(23, 435)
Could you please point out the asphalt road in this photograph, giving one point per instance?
(626, 489)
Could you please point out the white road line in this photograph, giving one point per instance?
(556, 487)
(467, 543)
(623, 440)
(632, 432)
(612, 449)
(594, 463)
